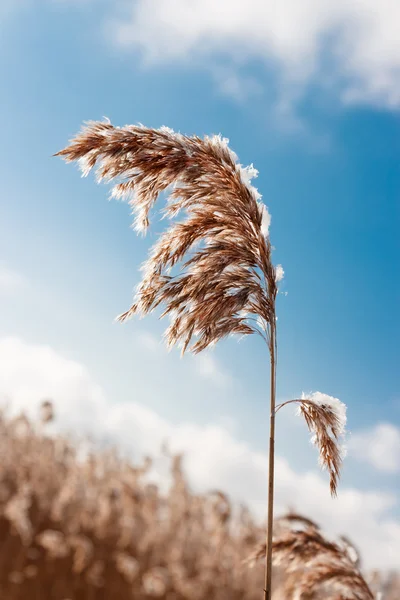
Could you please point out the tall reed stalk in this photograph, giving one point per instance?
(271, 468)
(227, 283)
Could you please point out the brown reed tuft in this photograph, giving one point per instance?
(46, 411)
(326, 420)
(227, 280)
(314, 566)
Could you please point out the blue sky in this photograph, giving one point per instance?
(324, 133)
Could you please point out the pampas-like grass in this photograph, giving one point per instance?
(314, 566)
(90, 526)
(326, 420)
(226, 282)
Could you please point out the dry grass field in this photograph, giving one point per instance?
(86, 527)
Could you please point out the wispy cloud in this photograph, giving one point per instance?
(205, 365)
(148, 341)
(241, 88)
(380, 447)
(351, 46)
(209, 368)
(214, 457)
(358, 40)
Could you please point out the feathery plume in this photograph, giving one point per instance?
(326, 420)
(313, 565)
(227, 279)
(46, 411)
(343, 579)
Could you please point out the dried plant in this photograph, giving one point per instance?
(118, 537)
(315, 567)
(337, 577)
(227, 284)
(326, 419)
(212, 272)
(46, 411)
(293, 519)
(96, 528)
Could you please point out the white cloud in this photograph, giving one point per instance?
(31, 373)
(205, 365)
(350, 43)
(209, 368)
(10, 280)
(239, 87)
(380, 447)
(351, 46)
(214, 458)
(279, 273)
(148, 341)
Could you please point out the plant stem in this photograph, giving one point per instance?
(298, 400)
(271, 457)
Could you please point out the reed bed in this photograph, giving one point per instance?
(85, 527)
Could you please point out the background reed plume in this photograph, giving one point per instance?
(212, 272)
(80, 526)
(314, 566)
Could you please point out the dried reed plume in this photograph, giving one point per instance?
(227, 284)
(326, 420)
(211, 272)
(314, 566)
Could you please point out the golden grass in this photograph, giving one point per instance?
(227, 283)
(88, 528)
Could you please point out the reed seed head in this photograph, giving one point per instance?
(212, 272)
